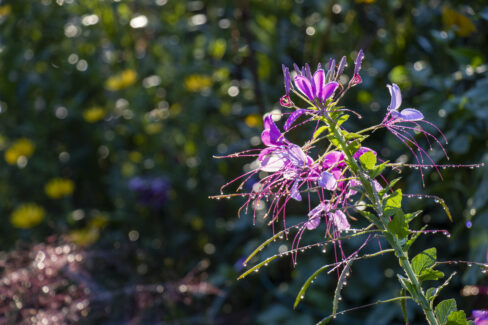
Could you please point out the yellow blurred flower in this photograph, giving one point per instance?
(253, 120)
(5, 11)
(135, 156)
(84, 237)
(461, 24)
(122, 80)
(94, 114)
(21, 147)
(197, 83)
(57, 188)
(365, 1)
(99, 221)
(27, 215)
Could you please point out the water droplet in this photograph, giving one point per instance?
(340, 299)
(470, 264)
(471, 167)
(324, 251)
(256, 270)
(301, 297)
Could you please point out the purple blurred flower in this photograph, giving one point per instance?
(150, 192)
(480, 317)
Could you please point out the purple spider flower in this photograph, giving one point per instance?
(314, 87)
(480, 317)
(397, 123)
(407, 114)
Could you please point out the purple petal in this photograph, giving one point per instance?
(341, 67)
(411, 114)
(296, 156)
(318, 83)
(340, 220)
(357, 63)
(312, 223)
(377, 186)
(303, 84)
(307, 73)
(297, 69)
(266, 152)
(334, 159)
(362, 151)
(331, 64)
(396, 97)
(316, 212)
(272, 163)
(327, 181)
(271, 135)
(480, 314)
(352, 185)
(287, 79)
(294, 192)
(293, 116)
(329, 89)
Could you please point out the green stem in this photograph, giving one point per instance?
(381, 222)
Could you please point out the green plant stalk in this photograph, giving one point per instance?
(381, 222)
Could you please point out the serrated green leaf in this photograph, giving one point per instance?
(444, 308)
(424, 260)
(430, 274)
(393, 203)
(429, 294)
(398, 225)
(368, 160)
(457, 318)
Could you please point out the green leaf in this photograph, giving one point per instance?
(368, 160)
(414, 237)
(430, 274)
(389, 186)
(444, 308)
(457, 318)
(354, 146)
(319, 131)
(424, 260)
(378, 170)
(406, 284)
(393, 203)
(343, 118)
(398, 226)
(340, 284)
(410, 216)
(352, 136)
(307, 283)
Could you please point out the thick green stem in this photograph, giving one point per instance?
(417, 293)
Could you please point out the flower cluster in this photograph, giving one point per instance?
(344, 179)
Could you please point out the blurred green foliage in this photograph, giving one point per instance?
(99, 92)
